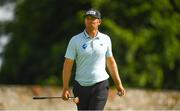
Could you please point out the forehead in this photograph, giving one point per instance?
(91, 17)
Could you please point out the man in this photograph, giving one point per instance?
(91, 50)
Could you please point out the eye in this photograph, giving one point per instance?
(91, 18)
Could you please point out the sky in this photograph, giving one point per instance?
(6, 14)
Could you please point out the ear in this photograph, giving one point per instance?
(99, 21)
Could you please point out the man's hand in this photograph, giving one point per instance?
(66, 94)
(121, 90)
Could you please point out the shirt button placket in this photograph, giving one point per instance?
(92, 44)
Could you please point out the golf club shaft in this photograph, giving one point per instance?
(50, 97)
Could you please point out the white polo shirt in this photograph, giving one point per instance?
(90, 56)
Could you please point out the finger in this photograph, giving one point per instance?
(68, 95)
(65, 97)
(123, 92)
(119, 93)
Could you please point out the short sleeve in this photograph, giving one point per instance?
(109, 48)
(71, 50)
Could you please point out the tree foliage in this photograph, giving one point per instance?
(144, 34)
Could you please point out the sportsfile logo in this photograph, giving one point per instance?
(91, 12)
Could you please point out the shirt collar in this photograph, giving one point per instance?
(88, 37)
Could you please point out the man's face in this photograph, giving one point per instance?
(92, 22)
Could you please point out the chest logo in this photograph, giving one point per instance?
(84, 46)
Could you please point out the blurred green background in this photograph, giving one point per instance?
(145, 37)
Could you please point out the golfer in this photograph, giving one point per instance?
(91, 50)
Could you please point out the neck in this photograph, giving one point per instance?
(92, 33)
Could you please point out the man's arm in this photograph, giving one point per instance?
(67, 72)
(112, 67)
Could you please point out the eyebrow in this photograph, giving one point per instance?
(91, 17)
